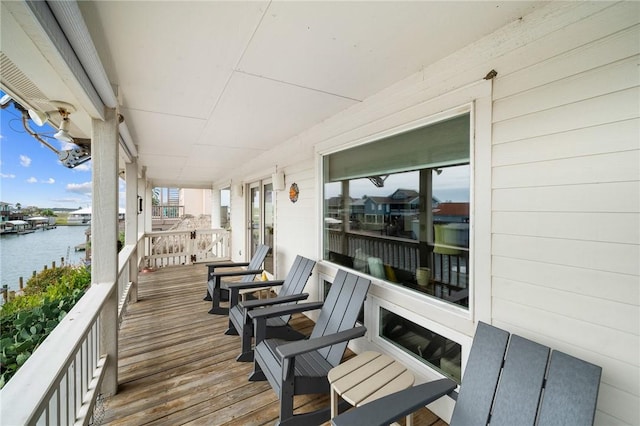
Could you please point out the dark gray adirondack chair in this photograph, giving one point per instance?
(527, 387)
(290, 292)
(217, 289)
(301, 367)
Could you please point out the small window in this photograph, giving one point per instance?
(429, 347)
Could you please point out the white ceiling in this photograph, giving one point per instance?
(204, 85)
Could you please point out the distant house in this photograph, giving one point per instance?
(451, 212)
(5, 211)
(83, 216)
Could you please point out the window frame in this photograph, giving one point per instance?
(476, 100)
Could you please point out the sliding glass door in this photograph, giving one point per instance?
(262, 219)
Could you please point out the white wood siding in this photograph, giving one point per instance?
(563, 208)
(565, 221)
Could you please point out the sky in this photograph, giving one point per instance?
(32, 175)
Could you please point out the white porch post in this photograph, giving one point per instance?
(131, 224)
(215, 209)
(104, 236)
(142, 190)
(148, 203)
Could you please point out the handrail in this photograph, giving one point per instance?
(68, 359)
(61, 380)
(184, 247)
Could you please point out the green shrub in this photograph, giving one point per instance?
(27, 320)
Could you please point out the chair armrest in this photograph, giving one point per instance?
(289, 350)
(254, 284)
(252, 304)
(236, 273)
(392, 407)
(276, 311)
(226, 264)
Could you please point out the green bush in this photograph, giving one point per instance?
(27, 320)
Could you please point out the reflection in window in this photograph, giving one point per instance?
(399, 209)
(225, 208)
(431, 348)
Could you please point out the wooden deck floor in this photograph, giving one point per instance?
(177, 367)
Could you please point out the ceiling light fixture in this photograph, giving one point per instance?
(71, 157)
(38, 117)
(63, 132)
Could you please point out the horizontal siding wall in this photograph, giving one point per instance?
(566, 202)
(565, 199)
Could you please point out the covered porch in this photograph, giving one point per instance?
(176, 365)
(254, 103)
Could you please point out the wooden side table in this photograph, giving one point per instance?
(367, 377)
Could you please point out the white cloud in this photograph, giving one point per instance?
(25, 161)
(80, 188)
(50, 181)
(84, 167)
(32, 180)
(7, 176)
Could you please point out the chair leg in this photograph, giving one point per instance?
(216, 309)
(286, 402)
(207, 297)
(257, 375)
(231, 330)
(246, 354)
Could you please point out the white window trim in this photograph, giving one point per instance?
(476, 99)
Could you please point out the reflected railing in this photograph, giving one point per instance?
(398, 260)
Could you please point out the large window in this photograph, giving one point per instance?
(399, 209)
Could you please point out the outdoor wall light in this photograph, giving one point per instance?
(72, 157)
(64, 109)
(63, 133)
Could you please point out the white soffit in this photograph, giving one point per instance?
(174, 57)
(356, 49)
(162, 134)
(259, 113)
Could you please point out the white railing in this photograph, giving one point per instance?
(168, 248)
(60, 382)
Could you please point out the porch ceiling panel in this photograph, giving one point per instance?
(162, 133)
(171, 57)
(356, 49)
(226, 158)
(259, 113)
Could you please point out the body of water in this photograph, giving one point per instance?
(23, 254)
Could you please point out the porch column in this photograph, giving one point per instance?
(148, 204)
(215, 209)
(131, 225)
(104, 236)
(142, 191)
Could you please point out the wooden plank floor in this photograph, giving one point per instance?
(176, 366)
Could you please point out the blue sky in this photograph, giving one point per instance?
(32, 175)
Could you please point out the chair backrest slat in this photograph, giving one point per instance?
(340, 311)
(296, 279)
(256, 261)
(571, 392)
(480, 377)
(518, 394)
(528, 388)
